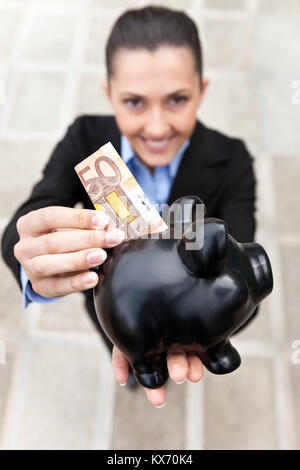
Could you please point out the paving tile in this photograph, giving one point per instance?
(228, 4)
(179, 5)
(286, 187)
(10, 22)
(222, 41)
(290, 264)
(17, 3)
(37, 102)
(130, 4)
(91, 98)
(115, 3)
(276, 46)
(259, 327)
(60, 2)
(230, 107)
(276, 6)
(51, 37)
(240, 409)
(22, 161)
(99, 27)
(22, 164)
(295, 380)
(139, 425)
(61, 398)
(6, 371)
(11, 311)
(278, 117)
(12, 198)
(4, 80)
(67, 314)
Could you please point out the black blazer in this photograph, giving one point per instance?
(214, 167)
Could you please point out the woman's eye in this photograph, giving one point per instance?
(133, 103)
(178, 100)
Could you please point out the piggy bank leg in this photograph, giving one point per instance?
(151, 374)
(221, 358)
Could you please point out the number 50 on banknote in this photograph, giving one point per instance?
(113, 189)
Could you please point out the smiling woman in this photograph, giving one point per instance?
(155, 85)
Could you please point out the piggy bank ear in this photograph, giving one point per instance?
(203, 247)
(183, 212)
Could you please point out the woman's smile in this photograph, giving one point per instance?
(157, 145)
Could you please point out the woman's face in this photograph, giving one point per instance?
(155, 96)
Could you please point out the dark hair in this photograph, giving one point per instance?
(151, 27)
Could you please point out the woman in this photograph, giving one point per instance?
(155, 86)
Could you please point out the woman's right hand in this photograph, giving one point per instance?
(58, 245)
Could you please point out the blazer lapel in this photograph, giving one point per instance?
(201, 171)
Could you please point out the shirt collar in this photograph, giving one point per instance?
(127, 154)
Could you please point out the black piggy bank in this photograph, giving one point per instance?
(158, 297)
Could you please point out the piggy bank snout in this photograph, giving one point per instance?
(262, 270)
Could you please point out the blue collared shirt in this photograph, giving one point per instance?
(157, 187)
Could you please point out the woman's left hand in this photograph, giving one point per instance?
(180, 367)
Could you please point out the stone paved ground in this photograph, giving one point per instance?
(56, 388)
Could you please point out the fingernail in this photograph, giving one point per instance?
(96, 257)
(90, 278)
(100, 220)
(114, 236)
(160, 406)
(181, 381)
(123, 384)
(178, 371)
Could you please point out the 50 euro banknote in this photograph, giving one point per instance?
(113, 189)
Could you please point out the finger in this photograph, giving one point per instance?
(177, 367)
(50, 218)
(70, 241)
(57, 286)
(51, 265)
(196, 369)
(120, 366)
(156, 396)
